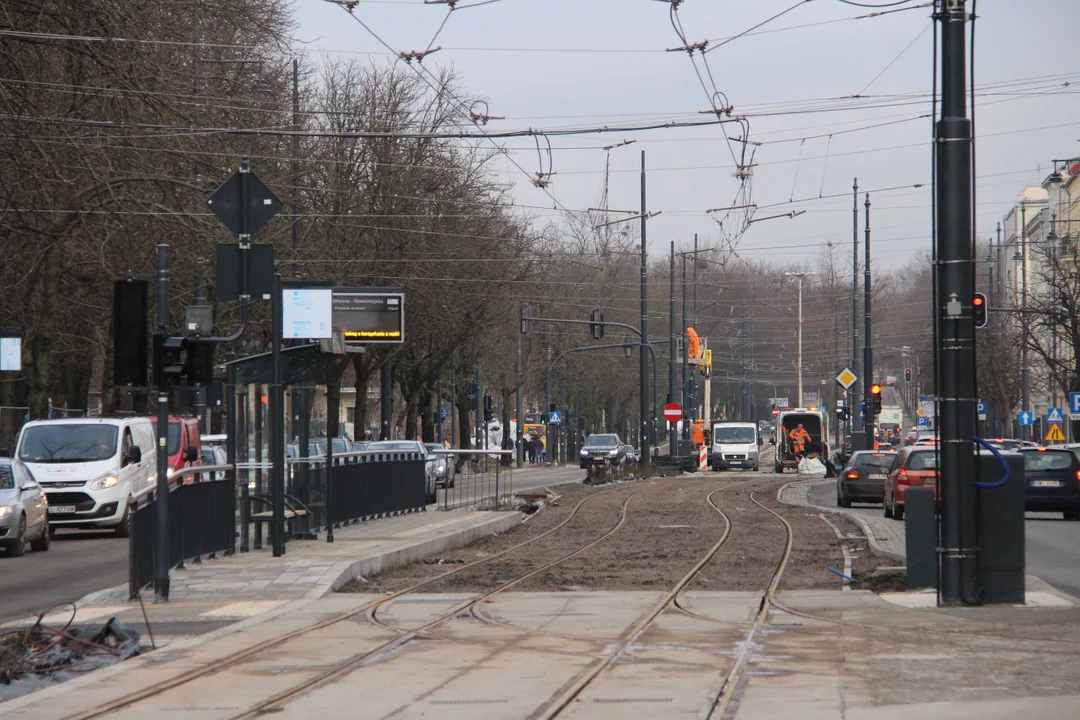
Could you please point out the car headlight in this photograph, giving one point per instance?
(5, 510)
(107, 481)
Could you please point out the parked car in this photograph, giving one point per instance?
(23, 510)
(184, 444)
(409, 446)
(863, 477)
(442, 465)
(631, 453)
(214, 455)
(914, 466)
(1053, 481)
(602, 449)
(91, 469)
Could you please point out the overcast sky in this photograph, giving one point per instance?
(590, 63)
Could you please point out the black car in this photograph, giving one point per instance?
(1053, 481)
(602, 449)
(863, 477)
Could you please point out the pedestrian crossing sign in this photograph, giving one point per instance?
(1055, 434)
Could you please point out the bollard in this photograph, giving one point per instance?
(920, 536)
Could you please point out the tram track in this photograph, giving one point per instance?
(240, 656)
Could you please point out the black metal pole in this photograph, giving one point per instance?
(386, 398)
(869, 417)
(672, 452)
(955, 351)
(644, 360)
(855, 394)
(277, 423)
(161, 501)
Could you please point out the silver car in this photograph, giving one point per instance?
(23, 510)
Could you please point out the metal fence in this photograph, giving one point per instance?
(201, 522)
(476, 479)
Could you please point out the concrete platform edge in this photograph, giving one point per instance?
(875, 545)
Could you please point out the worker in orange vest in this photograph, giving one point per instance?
(799, 438)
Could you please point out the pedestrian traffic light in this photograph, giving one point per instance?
(596, 324)
(168, 359)
(907, 374)
(978, 310)
(875, 399)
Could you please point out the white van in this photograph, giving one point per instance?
(735, 445)
(91, 469)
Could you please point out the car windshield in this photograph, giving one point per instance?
(598, 441)
(1047, 460)
(875, 460)
(922, 461)
(734, 434)
(7, 479)
(59, 443)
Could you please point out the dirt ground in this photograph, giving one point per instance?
(669, 526)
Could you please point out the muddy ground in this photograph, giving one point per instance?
(669, 526)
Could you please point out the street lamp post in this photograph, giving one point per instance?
(799, 364)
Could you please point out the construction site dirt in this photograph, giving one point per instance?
(668, 524)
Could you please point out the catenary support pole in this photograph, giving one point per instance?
(955, 352)
(643, 378)
(161, 500)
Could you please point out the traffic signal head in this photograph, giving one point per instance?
(978, 310)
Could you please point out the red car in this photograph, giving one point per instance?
(915, 466)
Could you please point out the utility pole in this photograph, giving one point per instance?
(954, 279)
(799, 364)
(646, 454)
(869, 418)
(855, 422)
(671, 352)
(1025, 375)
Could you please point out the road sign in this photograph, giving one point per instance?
(846, 378)
(1055, 434)
(982, 409)
(1026, 417)
(673, 412)
(444, 413)
(555, 418)
(1054, 415)
(243, 203)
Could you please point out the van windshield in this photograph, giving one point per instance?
(60, 443)
(734, 434)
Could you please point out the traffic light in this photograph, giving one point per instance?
(168, 359)
(489, 408)
(978, 310)
(875, 399)
(907, 374)
(596, 324)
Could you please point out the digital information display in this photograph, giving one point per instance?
(369, 316)
(306, 313)
(11, 354)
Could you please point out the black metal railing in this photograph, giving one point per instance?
(201, 522)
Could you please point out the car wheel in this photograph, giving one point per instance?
(41, 543)
(18, 547)
(123, 530)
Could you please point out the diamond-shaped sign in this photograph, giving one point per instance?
(846, 378)
(243, 203)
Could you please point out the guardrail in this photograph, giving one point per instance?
(476, 479)
(202, 521)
